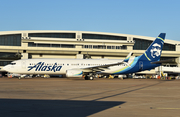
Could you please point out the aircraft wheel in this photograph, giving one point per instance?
(91, 78)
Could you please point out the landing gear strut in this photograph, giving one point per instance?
(89, 76)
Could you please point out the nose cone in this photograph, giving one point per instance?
(6, 68)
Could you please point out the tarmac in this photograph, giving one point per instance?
(76, 97)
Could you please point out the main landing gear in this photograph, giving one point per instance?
(89, 76)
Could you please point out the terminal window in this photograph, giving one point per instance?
(105, 37)
(104, 47)
(10, 40)
(169, 47)
(31, 44)
(53, 35)
(7, 55)
(3, 63)
(142, 44)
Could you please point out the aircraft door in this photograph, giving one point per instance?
(23, 64)
(140, 65)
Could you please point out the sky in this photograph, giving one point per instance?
(136, 17)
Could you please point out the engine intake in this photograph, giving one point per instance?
(74, 73)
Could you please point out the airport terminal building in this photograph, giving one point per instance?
(16, 45)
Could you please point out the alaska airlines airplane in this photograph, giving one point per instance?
(90, 67)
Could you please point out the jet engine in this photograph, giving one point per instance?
(74, 73)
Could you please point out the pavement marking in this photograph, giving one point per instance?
(163, 108)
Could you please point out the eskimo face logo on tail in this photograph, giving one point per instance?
(156, 50)
(41, 66)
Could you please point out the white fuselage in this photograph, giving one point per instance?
(59, 66)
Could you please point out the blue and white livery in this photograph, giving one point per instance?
(90, 67)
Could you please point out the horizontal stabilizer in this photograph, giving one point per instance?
(163, 61)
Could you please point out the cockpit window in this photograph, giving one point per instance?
(13, 63)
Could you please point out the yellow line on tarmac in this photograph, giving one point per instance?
(163, 108)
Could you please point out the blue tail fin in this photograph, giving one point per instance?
(153, 53)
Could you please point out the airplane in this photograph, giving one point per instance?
(88, 68)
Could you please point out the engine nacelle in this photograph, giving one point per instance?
(74, 73)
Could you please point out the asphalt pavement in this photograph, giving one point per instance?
(75, 97)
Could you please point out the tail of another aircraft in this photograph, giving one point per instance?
(153, 53)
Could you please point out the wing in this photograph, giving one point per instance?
(106, 66)
(101, 67)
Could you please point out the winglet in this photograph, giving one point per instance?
(128, 57)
